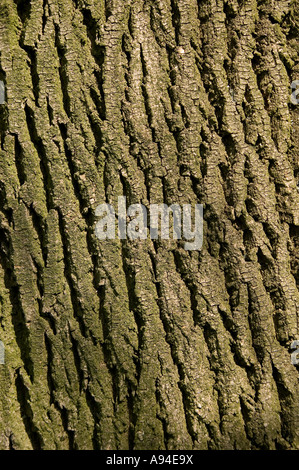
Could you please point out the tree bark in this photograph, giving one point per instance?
(121, 344)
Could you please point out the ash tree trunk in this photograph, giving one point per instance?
(121, 344)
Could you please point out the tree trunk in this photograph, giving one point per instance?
(122, 344)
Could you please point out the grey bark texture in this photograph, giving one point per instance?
(122, 344)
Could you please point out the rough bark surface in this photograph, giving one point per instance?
(143, 345)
